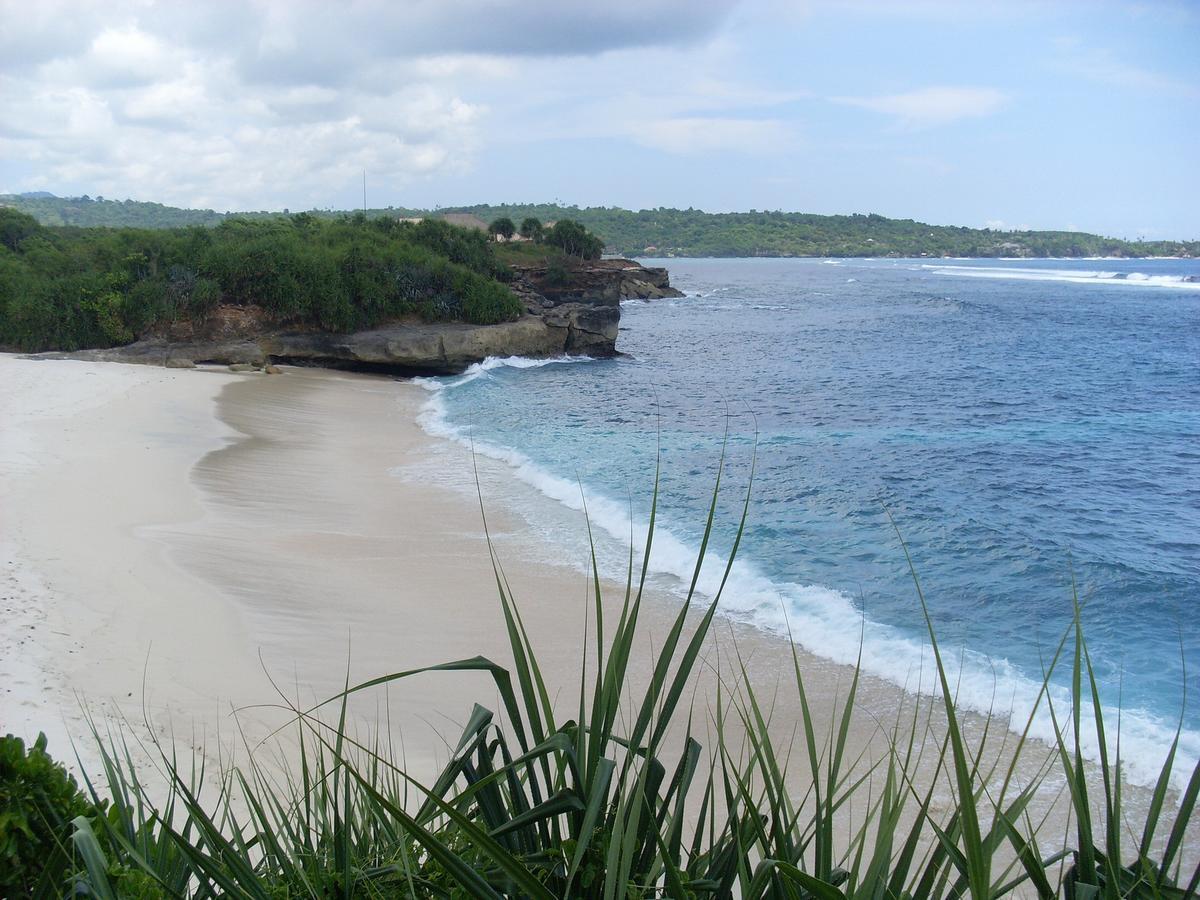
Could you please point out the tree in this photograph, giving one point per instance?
(15, 227)
(531, 229)
(574, 240)
(502, 228)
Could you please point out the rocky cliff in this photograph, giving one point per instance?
(601, 281)
(567, 311)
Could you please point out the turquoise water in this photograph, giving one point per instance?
(1026, 424)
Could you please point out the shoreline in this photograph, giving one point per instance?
(250, 577)
(305, 526)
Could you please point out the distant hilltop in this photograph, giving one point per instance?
(665, 232)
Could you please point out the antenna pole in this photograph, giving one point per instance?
(364, 192)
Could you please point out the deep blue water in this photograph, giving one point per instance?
(1026, 424)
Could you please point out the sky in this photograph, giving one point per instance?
(1063, 115)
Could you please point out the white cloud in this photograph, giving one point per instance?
(1001, 225)
(704, 134)
(285, 102)
(933, 105)
(201, 136)
(1101, 65)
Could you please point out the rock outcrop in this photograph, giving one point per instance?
(578, 316)
(603, 282)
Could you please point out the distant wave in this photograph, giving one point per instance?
(1075, 276)
(824, 621)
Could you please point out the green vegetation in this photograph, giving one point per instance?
(89, 212)
(67, 288)
(678, 232)
(692, 232)
(531, 228)
(38, 801)
(556, 245)
(573, 239)
(502, 228)
(619, 800)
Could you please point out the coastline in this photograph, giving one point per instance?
(262, 533)
(225, 528)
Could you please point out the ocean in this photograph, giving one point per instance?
(1029, 430)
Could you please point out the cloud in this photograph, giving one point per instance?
(1101, 65)
(283, 102)
(705, 134)
(1001, 225)
(932, 105)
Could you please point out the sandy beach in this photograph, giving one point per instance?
(175, 544)
(176, 541)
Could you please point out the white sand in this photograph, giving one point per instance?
(91, 453)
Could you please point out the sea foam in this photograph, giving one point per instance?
(1073, 276)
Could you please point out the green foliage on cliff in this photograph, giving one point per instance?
(67, 288)
(573, 239)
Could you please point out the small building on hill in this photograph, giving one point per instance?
(465, 220)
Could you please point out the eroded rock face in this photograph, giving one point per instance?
(402, 349)
(602, 282)
(583, 320)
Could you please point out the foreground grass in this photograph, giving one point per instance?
(622, 800)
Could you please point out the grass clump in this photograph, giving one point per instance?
(616, 795)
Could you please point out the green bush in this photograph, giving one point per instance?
(38, 800)
(465, 246)
(15, 227)
(67, 288)
(573, 239)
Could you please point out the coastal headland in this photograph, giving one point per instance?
(575, 311)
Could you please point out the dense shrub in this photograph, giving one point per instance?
(67, 288)
(15, 227)
(465, 246)
(38, 800)
(573, 239)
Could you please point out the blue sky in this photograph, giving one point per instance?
(1043, 115)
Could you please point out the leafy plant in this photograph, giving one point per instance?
(38, 801)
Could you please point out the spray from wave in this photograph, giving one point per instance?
(1073, 276)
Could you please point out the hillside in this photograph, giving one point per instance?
(674, 232)
(692, 232)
